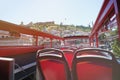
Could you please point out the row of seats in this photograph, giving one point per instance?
(86, 64)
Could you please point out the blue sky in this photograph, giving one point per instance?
(76, 12)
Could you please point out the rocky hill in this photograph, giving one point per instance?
(60, 29)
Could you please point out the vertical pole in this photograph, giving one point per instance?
(64, 41)
(43, 45)
(36, 40)
(96, 36)
(117, 12)
(51, 43)
(94, 41)
(59, 42)
(90, 41)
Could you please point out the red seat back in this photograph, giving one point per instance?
(92, 64)
(53, 70)
(87, 70)
(53, 65)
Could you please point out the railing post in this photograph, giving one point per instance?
(90, 41)
(96, 36)
(64, 41)
(51, 43)
(36, 41)
(93, 40)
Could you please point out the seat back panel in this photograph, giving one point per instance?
(93, 71)
(53, 70)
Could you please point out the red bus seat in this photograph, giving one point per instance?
(52, 65)
(87, 65)
(90, 70)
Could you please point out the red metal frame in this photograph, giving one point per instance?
(104, 15)
(14, 50)
(109, 8)
(96, 36)
(21, 29)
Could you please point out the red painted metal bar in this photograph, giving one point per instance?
(51, 43)
(96, 36)
(93, 41)
(105, 13)
(36, 42)
(109, 8)
(15, 50)
(117, 12)
(90, 41)
(21, 29)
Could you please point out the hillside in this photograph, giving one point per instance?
(60, 29)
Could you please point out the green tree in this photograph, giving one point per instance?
(102, 37)
(116, 47)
